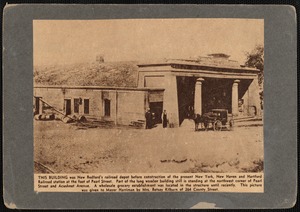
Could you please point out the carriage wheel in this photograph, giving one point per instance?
(231, 124)
(217, 125)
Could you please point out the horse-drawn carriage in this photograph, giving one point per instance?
(218, 119)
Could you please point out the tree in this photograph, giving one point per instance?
(255, 59)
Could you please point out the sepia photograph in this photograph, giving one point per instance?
(149, 106)
(148, 96)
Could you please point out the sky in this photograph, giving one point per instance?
(75, 41)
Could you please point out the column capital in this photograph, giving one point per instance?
(200, 79)
(236, 81)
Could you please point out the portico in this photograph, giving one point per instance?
(199, 86)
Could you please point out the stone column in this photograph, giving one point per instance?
(235, 98)
(171, 99)
(198, 96)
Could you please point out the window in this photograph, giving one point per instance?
(107, 107)
(76, 105)
(86, 104)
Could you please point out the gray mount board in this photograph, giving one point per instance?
(280, 108)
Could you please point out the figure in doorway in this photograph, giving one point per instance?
(153, 120)
(165, 119)
(148, 117)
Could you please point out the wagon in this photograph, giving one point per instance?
(219, 119)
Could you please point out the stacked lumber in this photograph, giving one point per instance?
(137, 124)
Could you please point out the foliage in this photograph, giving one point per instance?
(118, 74)
(255, 59)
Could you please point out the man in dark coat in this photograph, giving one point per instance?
(148, 117)
(164, 118)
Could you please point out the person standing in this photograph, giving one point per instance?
(165, 119)
(148, 117)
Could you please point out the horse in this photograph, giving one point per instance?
(205, 119)
(198, 119)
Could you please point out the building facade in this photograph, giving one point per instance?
(192, 86)
(181, 87)
(119, 105)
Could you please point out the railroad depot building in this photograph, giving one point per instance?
(181, 87)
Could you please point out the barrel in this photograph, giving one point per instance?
(82, 119)
(50, 117)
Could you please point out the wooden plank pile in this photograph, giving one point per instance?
(137, 124)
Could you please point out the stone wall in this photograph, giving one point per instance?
(125, 105)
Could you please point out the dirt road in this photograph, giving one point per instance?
(64, 148)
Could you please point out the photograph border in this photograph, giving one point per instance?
(280, 122)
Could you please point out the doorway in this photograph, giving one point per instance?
(67, 106)
(216, 94)
(156, 109)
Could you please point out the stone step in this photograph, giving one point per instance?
(246, 118)
(188, 123)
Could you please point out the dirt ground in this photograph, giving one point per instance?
(66, 148)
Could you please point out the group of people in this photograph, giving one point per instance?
(150, 118)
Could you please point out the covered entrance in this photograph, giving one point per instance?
(156, 105)
(156, 109)
(197, 95)
(206, 93)
(216, 94)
